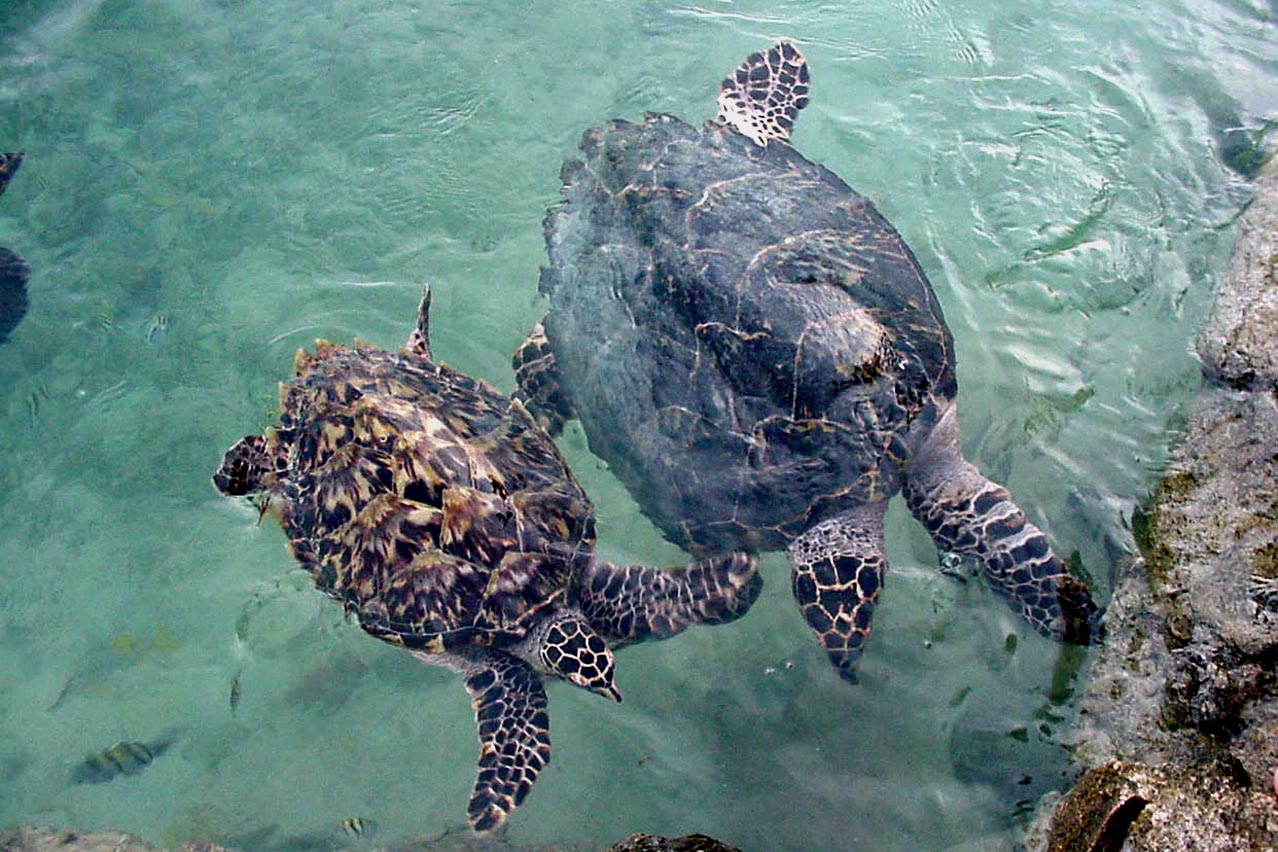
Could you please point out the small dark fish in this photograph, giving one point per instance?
(236, 692)
(351, 832)
(156, 326)
(123, 758)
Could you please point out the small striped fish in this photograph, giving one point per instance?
(123, 758)
(355, 827)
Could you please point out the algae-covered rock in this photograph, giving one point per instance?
(28, 838)
(1237, 343)
(1125, 805)
(1178, 726)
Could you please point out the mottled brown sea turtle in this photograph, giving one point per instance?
(760, 359)
(445, 520)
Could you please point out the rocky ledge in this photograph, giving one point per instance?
(28, 838)
(1178, 730)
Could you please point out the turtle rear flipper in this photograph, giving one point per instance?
(837, 569)
(966, 513)
(540, 388)
(419, 338)
(632, 603)
(514, 736)
(762, 98)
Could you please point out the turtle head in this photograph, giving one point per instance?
(242, 467)
(570, 648)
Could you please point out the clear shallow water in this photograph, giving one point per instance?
(209, 186)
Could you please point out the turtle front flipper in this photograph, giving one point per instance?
(632, 603)
(540, 388)
(966, 513)
(837, 568)
(514, 736)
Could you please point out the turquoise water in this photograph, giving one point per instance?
(210, 185)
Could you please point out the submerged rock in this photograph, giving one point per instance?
(687, 843)
(1170, 808)
(28, 838)
(1178, 728)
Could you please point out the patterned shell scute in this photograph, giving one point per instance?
(805, 338)
(423, 499)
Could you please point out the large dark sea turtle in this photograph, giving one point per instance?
(444, 519)
(760, 359)
(14, 271)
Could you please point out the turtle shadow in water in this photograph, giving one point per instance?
(14, 272)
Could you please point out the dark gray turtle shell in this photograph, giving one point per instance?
(750, 344)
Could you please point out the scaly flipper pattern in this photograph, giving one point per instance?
(537, 376)
(966, 513)
(632, 603)
(762, 98)
(514, 736)
(837, 569)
